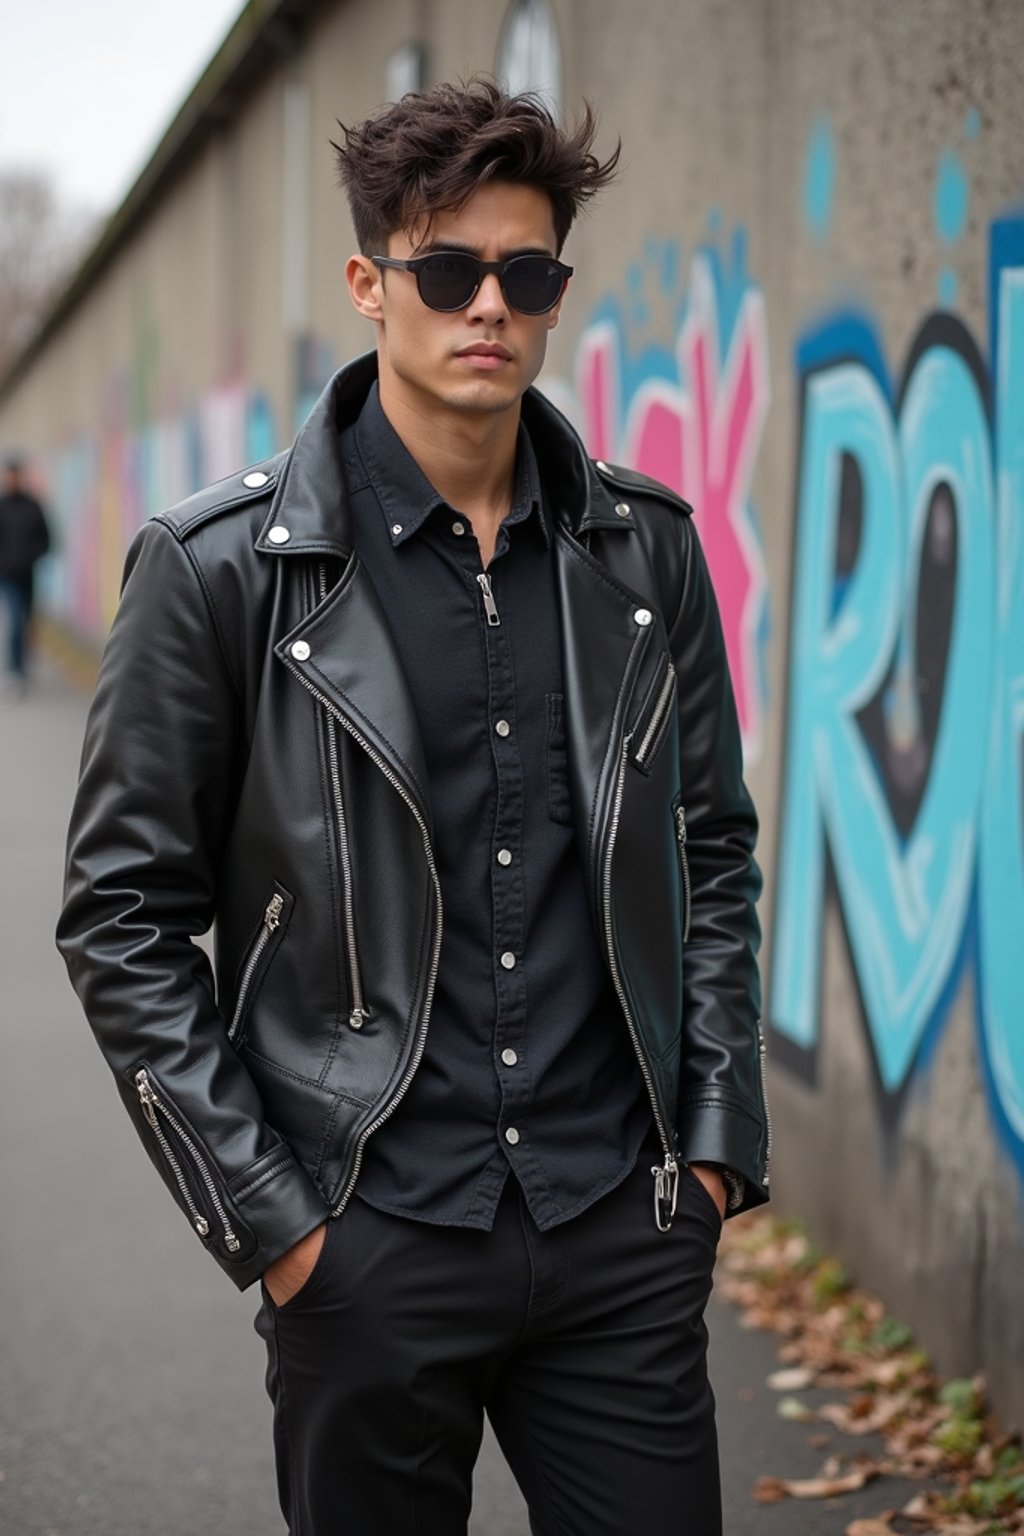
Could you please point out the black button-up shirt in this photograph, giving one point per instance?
(528, 1062)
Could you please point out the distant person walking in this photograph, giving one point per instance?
(24, 540)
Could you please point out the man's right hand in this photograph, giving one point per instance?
(288, 1274)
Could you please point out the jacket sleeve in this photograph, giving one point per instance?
(722, 1111)
(163, 751)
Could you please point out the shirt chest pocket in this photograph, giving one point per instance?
(557, 766)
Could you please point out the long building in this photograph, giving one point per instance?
(803, 306)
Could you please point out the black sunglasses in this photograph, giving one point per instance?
(449, 280)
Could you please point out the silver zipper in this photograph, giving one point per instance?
(681, 839)
(151, 1102)
(358, 1012)
(271, 921)
(490, 606)
(761, 1054)
(655, 721)
(421, 1039)
(666, 1178)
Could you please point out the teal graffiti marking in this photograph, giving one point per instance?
(820, 179)
(905, 736)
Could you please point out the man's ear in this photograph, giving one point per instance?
(365, 286)
(554, 314)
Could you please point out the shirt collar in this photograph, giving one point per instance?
(407, 497)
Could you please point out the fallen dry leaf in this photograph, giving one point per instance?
(879, 1527)
(771, 1490)
(792, 1380)
(866, 1414)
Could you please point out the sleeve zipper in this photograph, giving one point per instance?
(151, 1102)
(761, 1055)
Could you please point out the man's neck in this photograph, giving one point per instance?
(468, 458)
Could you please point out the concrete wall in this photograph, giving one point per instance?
(804, 307)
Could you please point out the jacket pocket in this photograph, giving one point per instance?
(559, 801)
(679, 816)
(259, 954)
(649, 736)
(189, 1167)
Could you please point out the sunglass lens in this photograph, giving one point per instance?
(532, 284)
(448, 281)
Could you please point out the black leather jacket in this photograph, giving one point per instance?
(252, 761)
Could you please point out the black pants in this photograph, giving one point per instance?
(586, 1346)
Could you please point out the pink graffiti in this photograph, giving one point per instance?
(700, 437)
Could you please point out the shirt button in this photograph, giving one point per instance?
(396, 529)
(512, 1136)
(509, 1058)
(504, 857)
(458, 527)
(508, 959)
(502, 727)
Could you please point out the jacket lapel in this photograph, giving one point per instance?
(352, 660)
(603, 646)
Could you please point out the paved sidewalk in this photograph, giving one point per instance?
(131, 1383)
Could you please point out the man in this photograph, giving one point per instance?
(431, 715)
(24, 540)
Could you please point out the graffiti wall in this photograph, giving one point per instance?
(905, 713)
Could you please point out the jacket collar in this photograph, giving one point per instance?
(310, 512)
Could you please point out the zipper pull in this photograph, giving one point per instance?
(666, 1192)
(272, 916)
(147, 1096)
(490, 606)
(356, 1017)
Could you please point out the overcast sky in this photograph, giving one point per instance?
(88, 89)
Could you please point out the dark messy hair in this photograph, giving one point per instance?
(429, 153)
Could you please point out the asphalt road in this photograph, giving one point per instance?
(131, 1381)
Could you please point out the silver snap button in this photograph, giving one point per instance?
(502, 727)
(300, 650)
(622, 508)
(512, 1136)
(508, 959)
(279, 535)
(396, 528)
(458, 527)
(254, 479)
(643, 616)
(504, 857)
(509, 1058)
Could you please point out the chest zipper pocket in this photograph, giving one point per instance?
(261, 949)
(181, 1151)
(679, 811)
(657, 726)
